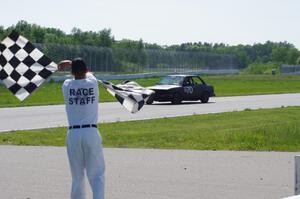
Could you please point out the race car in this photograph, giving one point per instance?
(177, 88)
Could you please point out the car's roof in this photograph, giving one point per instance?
(182, 75)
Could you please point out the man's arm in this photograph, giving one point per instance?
(64, 64)
(68, 63)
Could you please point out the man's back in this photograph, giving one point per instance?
(81, 99)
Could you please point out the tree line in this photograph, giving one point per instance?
(102, 51)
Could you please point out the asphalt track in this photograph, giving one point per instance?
(54, 116)
(43, 173)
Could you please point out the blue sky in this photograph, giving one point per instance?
(167, 21)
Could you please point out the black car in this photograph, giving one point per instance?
(176, 88)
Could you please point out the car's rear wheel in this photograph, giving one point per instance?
(176, 98)
(205, 97)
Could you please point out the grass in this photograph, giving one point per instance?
(235, 85)
(259, 130)
(253, 84)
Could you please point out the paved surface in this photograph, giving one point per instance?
(43, 173)
(53, 116)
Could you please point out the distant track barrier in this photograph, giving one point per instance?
(104, 76)
(290, 69)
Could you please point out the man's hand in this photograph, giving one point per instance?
(64, 64)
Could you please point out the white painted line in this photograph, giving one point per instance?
(293, 197)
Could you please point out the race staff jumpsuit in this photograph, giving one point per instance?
(84, 143)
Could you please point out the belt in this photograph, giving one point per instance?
(83, 126)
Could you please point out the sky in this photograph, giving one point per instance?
(166, 22)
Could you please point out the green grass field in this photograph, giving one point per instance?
(50, 93)
(262, 130)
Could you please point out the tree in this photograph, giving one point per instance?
(279, 54)
(105, 38)
(292, 56)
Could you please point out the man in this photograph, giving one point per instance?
(84, 143)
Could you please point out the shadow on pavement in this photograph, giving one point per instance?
(182, 103)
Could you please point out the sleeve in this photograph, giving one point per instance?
(64, 88)
(90, 75)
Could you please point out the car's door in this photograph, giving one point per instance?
(198, 87)
(188, 89)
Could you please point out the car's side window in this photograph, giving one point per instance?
(189, 81)
(197, 81)
(186, 81)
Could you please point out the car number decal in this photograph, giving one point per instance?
(188, 89)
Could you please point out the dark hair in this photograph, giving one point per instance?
(78, 66)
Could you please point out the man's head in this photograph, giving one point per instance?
(79, 68)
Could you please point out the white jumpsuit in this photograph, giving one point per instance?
(84, 145)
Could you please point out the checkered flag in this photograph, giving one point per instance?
(23, 68)
(131, 95)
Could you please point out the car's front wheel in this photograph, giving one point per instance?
(176, 98)
(205, 97)
(150, 100)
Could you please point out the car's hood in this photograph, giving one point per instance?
(163, 87)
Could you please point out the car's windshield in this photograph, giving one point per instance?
(171, 80)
